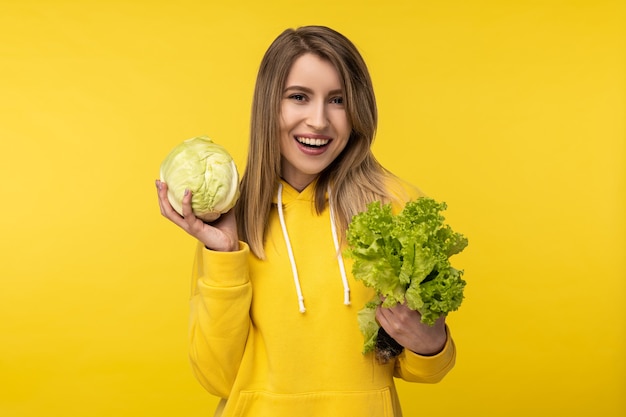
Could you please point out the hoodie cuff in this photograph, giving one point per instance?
(224, 269)
(431, 367)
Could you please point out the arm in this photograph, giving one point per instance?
(220, 297)
(219, 319)
(430, 352)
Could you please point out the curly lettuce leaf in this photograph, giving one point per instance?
(438, 296)
(405, 259)
(368, 326)
(373, 245)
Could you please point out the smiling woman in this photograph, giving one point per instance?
(310, 170)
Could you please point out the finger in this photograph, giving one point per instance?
(162, 196)
(403, 309)
(166, 208)
(186, 206)
(161, 193)
(399, 317)
(192, 224)
(164, 203)
(391, 310)
(382, 316)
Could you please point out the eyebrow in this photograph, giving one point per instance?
(310, 91)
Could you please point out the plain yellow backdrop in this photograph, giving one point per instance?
(510, 111)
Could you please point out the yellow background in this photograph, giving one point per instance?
(510, 111)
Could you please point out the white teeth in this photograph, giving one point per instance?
(312, 142)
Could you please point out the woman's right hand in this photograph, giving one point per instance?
(220, 235)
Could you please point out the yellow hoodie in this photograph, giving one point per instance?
(251, 344)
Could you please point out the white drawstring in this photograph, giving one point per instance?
(342, 269)
(294, 270)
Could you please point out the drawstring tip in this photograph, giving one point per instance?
(346, 297)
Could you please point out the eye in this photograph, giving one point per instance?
(297, 97)
(337, 100)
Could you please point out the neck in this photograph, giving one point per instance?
(299, 184)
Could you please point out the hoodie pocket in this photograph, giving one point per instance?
(374, 403)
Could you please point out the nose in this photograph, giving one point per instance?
(317, 118)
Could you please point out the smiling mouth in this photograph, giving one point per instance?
(312, 142)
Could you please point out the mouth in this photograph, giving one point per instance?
(315, 143)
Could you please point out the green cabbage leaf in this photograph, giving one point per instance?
(208, 171)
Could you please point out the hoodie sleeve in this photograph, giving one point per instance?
(221, 295)
(426, 369)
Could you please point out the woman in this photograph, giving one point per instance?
(274, 307)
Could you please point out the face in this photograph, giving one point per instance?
(314, 126)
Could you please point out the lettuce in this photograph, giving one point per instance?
(405, 259)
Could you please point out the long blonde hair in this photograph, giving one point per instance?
(355, 177)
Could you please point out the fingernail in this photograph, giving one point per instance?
(186, 191)
(158, 184)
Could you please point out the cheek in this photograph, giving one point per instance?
(342, 124)
(282, 141)
(344, 145)
(283, 125)
(346, 133)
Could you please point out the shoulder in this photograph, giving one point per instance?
(401, 191)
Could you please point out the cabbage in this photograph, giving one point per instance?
(208, 171)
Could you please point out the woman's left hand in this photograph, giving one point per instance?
(404, 325)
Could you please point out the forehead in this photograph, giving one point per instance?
(313, 71)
